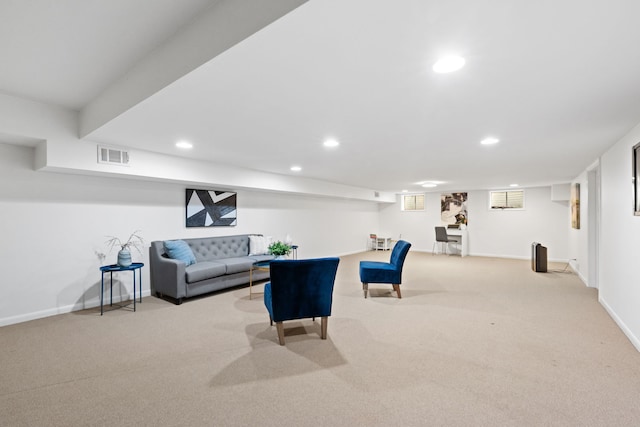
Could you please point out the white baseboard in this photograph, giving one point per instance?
(351, 253)
(64, 309)
(634, 340)
(580, 276)
(527, 258)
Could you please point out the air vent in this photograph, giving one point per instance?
(113, 156)
(376, 194)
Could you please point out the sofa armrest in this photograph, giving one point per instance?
(168, 275)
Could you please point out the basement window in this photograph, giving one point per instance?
(412, 202)
(508, 199)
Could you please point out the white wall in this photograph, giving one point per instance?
(59, 149)
(53, 224)
(491, 233)
(619, 283)
(579, 238)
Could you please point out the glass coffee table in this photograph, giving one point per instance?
(260, 265)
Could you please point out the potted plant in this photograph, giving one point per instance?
(279, 249)
(124, 255)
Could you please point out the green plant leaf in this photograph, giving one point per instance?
(279, 248)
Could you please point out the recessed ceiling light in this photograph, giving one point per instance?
(513, 185)
(331, 143)
(449, 64)
(296, 168)
(429, 184)
(184, 144)
(489, 141)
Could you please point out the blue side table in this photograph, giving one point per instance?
(115, 267)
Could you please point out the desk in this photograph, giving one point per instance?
(461, 237)
(115, 267)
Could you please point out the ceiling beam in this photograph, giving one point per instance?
(219, 28)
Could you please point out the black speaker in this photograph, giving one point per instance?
(538, 258)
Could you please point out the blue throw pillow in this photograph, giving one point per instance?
(180, 250)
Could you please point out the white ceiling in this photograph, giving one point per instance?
(66, 52)
(556, 81)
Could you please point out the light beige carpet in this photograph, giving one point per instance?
(473, 342)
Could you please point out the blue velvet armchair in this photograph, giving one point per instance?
(300, 289)
(385, 272)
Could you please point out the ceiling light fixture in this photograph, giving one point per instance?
(449, 64)
(331, 143)
(489, 141)
(184, 145)
(513, 185)
(296, 168)
(429, 184)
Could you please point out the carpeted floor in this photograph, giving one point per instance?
(473, 342)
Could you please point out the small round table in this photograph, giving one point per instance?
(260, 265)
(115, 267)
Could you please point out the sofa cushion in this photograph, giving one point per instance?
(179, 250)
(259, 245)
(204, 270)
(258, 258)
(237, 265)
(214, 248)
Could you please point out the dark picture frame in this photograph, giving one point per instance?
(210, 208)
(635, 164)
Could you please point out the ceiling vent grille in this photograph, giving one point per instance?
(113, 156)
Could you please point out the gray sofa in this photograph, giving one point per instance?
(222, 262)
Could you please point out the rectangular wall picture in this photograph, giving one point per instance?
(211, 208)
(635, 158)
(453, 208)
(575, 206)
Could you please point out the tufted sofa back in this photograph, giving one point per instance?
(210, 248)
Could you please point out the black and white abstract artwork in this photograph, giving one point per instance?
(211, 208)
(453, 208)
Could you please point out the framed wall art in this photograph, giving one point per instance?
(210, 208)
(453, 208)
(575, 206)
(635, 157)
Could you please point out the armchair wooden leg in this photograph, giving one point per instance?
(323, 333)
(280, 328)
(365, 288)
(397, 289)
